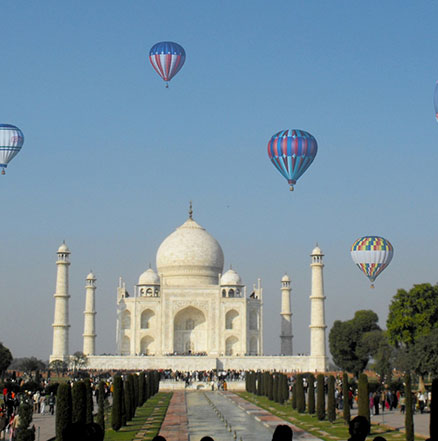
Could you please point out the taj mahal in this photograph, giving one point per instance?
(190, 314)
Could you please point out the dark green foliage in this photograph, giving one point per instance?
(146, 387)
(124, 414)
(136, 390)
(89, 401)
(320, 397)
(285, 389)
(433, 425)
(141, 389)
(331, 407)
(275, 387)
(116, 411)
(363, 397)
(280, 395)
(63, 409)
(128, 399)
(294, 395)
(271, 387)
(345, 391)
(132, 394)
(100, 418)
(259, 383)
(301, 400)
(79, 402)
(354, 341)
(311, 394)
(409, 417)
(23, 432)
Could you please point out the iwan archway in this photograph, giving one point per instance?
(190, 331)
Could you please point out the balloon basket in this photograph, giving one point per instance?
(372, 286)
(291, 187)
(3, 172)
(167, 85)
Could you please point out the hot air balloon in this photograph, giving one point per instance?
(292, 152)
(11, 141)
(167, 58)
(435, 100)
(372, 254)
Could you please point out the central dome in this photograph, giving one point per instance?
(190, 256)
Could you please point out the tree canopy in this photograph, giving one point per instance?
(354, 341)
(5, 358)
(412, 314)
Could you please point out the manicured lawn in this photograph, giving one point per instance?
(154, 409)
(321, 429)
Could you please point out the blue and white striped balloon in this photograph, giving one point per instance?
(11, 141)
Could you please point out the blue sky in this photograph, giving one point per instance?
(111, 158)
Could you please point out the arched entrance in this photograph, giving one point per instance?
(190, 331)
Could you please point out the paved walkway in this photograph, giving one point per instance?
(174, 427)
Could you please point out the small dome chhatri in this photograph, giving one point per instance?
(63, 249)
(91, 276)
(231, 278)
(285, 278)
(190, 256)
(149, 277)
(317, 251)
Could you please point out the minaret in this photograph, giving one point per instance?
(60, 322)
(89, 316)
(286, 317)
(317, 316)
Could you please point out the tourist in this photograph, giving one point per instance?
(358, 428)
(282, 433)
(52, 403)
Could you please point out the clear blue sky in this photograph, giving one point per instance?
(111, 158)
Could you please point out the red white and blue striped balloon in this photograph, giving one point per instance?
(167, 58)
(292, 152)
(11, 141)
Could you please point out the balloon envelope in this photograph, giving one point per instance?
(292, 152)
(167, 58)
(372, 254)
(11, 141)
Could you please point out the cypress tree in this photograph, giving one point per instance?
(128, 399)
(320, 397)
(331, 406)
(247, 381)
(136, 390)
(100, 419)
(147, 387)
(63, 409)
(301, 402)
(130, 384)
(409, 417)
(124, 415)
(280, 395)
(311, 394)
(88, 402)
(141, 389)
(259, 383)
(266, 384)
(79, 402)
(433, 425)
(275, 387)
(363, 398)
(116, 411)
(285, 388)
(271, 387)
(345, 397)
(294, 395)
(23, 433)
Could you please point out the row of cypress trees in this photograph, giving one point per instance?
(274, 386)
(130, 393)
(75, 405)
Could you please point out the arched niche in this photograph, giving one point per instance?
(126, 346)
(147, 345)
(126, 319)
(147, 319)
(253, 344)
(231, 319)
(232, 345)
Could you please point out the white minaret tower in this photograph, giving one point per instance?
(60, 322)
(317, 316)
(89, 316)
(286, 317)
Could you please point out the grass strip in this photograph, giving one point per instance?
(147, 420)
(325, 430)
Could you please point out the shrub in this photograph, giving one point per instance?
(63, 409)
(409, 417)
(116, 411)
(88, 402)
(345, 393)
(79, 402)
(299, 388)
(136, 390)
(23, 432)
(311, 394)
(320, 397)
(363, 399)
(141, 389)
(128, 399)
(275, 387)
(331, 406)
(294, 395)
(433, 429)
(100, 419)
(271, 387)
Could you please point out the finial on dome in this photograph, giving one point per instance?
(231, 266)
(150, 266)
(191, 211)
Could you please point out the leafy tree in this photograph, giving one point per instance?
(5, 359)
(29, 364)
(63, 409)
(320, 397)
(311, 394)
(78, 361)
(100, 418)
(88, 401)
(409, 417)
(58, 366)
(331, 407)
(301, 401)
(363, 399)
(423, 355)
(79, 402)
(116, 411)
(353, 342)
(345, 393)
